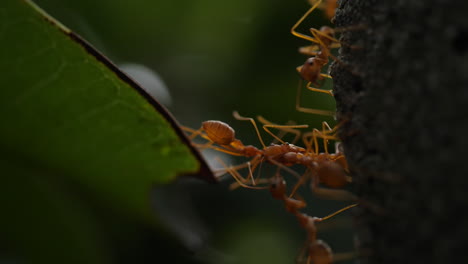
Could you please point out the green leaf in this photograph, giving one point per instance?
(71, 118)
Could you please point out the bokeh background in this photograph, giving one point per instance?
(210, 58)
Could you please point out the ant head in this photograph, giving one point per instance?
(310, 70)
(278, 187)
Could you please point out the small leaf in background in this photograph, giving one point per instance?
(77, 136)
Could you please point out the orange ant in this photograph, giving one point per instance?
(221, 134)
(324, 168)
(318, 251)
(311, 71)
(278, 191)
(328, 169)
(323, 41)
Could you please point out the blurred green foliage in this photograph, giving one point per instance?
(219, 55)
(215, 57)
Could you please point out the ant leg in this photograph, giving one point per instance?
(310, 87)
(287, 128)
(282, 133)
(344, 256)
(236, 175)
(332, 194)
(324, 136)
(300, 258)
(301, 181)
(210, 146)
(310, 138)
(309, 110)
(238, 117)
(236, 185)
(345, 65)
(194, 133)
(308, 143)
(281, 166)
(251, 165)
(326, 126)
(329, 132)
(337, 212)
(319, 35)
(207, 145)
(301, 35)
(351, 28)
(326, 76)
(314, 138)
(326, 48)
(257, 160)
(311, 50)
(335, 43)
(220, 172)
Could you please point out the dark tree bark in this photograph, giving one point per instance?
(402, 98)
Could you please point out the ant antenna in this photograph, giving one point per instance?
(337, 212)
(287, 128)
(301, 35)
(239, 117)
(239, 179)
(310, 110)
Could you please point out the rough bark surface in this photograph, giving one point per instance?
(402, 95)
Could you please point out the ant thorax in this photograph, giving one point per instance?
(275, 150)
(251, 151)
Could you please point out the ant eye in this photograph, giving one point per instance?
(311, 62)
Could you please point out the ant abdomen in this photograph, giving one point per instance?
(219, 132)
(320, 253)
(332, 174)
